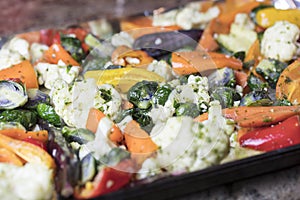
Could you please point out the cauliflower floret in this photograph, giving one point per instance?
(108, 100)
(241, 35)
(122, 38)
(162, 68)
(187, 17)
(186, 145)
(49, 73)
(15, 184)
(195, 91)
(165, 19)
(37, 50)
(279, 41)
(14, 52)
(190, 16)
(73, 101)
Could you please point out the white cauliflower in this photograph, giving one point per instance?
(241, 35)
(162, 68)
(14, 52)
(49, 73)
(122, 38)
(186, 145)
(190, 16)
(195, 91)
(73, 101)
(187, 17)
(108, 100)
(28, 182)
(279, 41)
(37, 50)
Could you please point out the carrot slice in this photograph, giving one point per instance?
(93, 120)
(207, 40)
(196, 62)
(264, 119)
(137, 140)
(241, 78)
(256, 116)
(31, 37)
(122, 53)
(7, 156)
(138, 26)
(288, 83)
(23, 71)
(28, 152)
(21, 134)
(56, 52)
(228, 13)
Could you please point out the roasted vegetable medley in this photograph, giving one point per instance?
(84, 112)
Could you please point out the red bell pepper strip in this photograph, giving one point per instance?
(284, 134)
(49, 36)
(107, 180)
(36, 142)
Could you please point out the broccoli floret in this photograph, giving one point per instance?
(270, 70)
(48, 113)
(25, 117)
(141, 93)
(226, 96)
(161, 95)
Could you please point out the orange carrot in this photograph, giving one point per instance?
(254, 53)
(256, 116)
(23, 71)
(93, 120)
(121, 54)
(288, 83)
(195, 61)
(138, 26)
(31, 37)
(241, 78)
(207, 40)
(27, 151)
(224, 20)
(7, 156)
(56, 52)
(21, 134)
(137, 140)
(126, 105)
(264, 119)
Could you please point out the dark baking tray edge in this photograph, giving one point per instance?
(176, 186)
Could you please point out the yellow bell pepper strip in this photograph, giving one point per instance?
(184, 63)
(7, 156)
(107, 180)
(287, 86)
(27, 151)
(123, 78)
(23, 71)
(268, 16)
(284, 134)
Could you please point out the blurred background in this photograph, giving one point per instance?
(25, 15)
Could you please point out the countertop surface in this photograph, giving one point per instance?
(19, 16)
